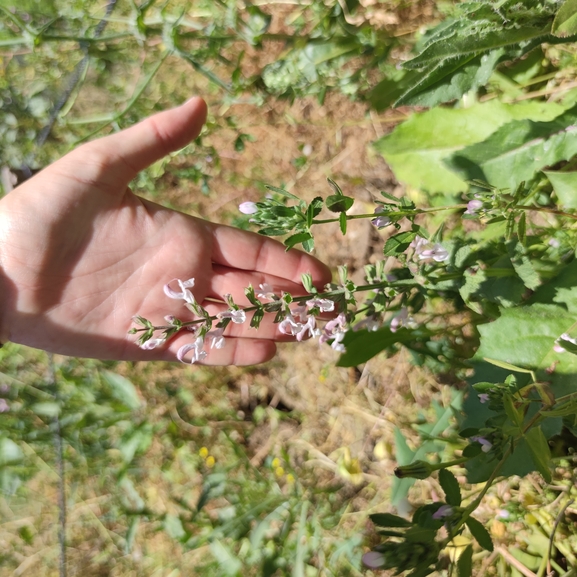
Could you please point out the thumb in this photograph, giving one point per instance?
(139, 146)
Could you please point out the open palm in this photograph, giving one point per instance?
(80, 254)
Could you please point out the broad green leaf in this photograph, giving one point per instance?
(525, 337)
(314, 209)
(416, 148)
(450, 486)
(388, 520)
(122, 389)
(480, 533)
(517, 151)
(173, 526)
(465, 563)
(360, 346)
(449, 79)
(565, 23)
(339, 202)
(540, 451)
(565, 186)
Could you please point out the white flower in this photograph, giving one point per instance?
(437, 253)
(248, 207)
(198, 353)
(217, 341)
(309, 327)
(237, 316)
(152, 344)
(266, 292)
(324, 305)
(289, 326)
(335, 329)
(184, 293)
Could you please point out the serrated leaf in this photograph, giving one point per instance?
(450, 486)
(388, 520)
(339, 202)
(343, 223)
(465, 563)
(415, 149)
(398, 243)
(450, 79)
(480, 533)
(540, 451)
(565, 23)
(517, 151)
(122, 389)
(295, 239)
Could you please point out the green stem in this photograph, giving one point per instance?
(130, 104)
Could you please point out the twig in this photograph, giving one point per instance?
(514, 563)
(552, 536)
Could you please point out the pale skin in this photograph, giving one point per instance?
(80, 254)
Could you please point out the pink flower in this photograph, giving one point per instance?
(309, 327)
(486, 445)
(427, 251)
(266, 292)
(248, 207)
(473, 206)
(184, 293)
(237, 316)
(483, 397)
(335, 329)
(152, 344)
(216, 338)
(198, 354)
(443, 511)
(289, 326)
(4, 407)
(324, 305)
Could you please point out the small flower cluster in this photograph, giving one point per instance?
(426, 251)
(295, 317)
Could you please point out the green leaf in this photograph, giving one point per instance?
(388, 520)
(517, 151)
(449, 79)
(398, 243)
(524, 337)
(465, 563)
(360, 346)
(339, 202)
(450, 486)
(282, 192)
(540, 451)
(343, 222)
(565, 186)
(122, 389)
(295, 239)
(480, 533)
(314, 209)
(565, 23)
(415, 149)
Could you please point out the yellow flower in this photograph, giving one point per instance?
(210, 461)
(275, 463)
(203, 452)
(290, 478)
(279, 471)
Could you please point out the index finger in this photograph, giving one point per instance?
(244, 250)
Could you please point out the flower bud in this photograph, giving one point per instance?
(416, 470)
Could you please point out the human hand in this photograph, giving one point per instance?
(80, 254)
